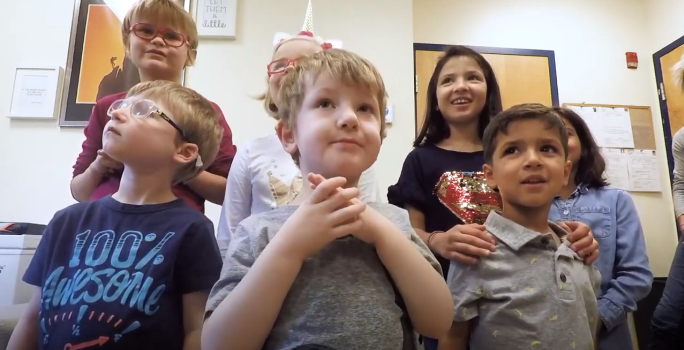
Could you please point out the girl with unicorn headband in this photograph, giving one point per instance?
(263, 176)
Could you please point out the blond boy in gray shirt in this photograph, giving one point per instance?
(328, 271)
(533, 292)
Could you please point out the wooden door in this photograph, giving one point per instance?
(671, 96)
(523, 75)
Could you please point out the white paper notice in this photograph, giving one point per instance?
(643, 171)
(611, 127)
(615, 127)
(33, 93)
(617, 171)
(590, 117)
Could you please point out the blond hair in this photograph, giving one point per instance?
(269, 106)
(678, 73)
(345, 66)
(194, 114)
(167, 12)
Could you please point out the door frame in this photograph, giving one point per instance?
(487, 50)
(664, 114)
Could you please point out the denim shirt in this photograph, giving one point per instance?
(623, 263)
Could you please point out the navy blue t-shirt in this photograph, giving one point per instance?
(113, 275)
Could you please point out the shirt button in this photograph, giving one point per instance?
(565, 212)
(545, 240)
(563, 278)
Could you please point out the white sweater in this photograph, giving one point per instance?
(263, 177)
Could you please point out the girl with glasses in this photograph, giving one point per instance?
(161, 39)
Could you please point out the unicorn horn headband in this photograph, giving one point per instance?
(307, 31)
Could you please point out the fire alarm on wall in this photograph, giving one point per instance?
(632, 60)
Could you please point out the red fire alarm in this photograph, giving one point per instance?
(632, 60)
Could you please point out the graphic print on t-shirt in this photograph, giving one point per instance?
(111, 284)
(467, 195)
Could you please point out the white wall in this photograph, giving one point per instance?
(36, 157)
(590, 39)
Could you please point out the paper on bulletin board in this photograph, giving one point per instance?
(611, 127)
(643, 171)
(617, 170)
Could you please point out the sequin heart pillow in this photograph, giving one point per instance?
(467, 195)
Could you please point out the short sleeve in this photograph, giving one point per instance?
(199, 261)
(224, 158)
(408, 189)
(35, 273)
(237, 204)
(400, 218)
(466, 289)
(368, 186)
(423, 249)
(239, 259)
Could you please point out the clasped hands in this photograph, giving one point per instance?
(330, 212)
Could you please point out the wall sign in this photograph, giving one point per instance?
(216, 18)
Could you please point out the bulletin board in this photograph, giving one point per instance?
(631, 161)
(642, 123)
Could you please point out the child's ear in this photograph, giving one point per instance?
(566, 172)
(287, 137)
(489, 175)
(186, 153)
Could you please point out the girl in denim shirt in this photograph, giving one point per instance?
(612, 216)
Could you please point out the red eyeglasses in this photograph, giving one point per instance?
(279, 66)
(148, 31)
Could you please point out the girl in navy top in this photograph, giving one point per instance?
(613, 218)
(441, 181)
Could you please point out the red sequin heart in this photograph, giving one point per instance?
(467, 195)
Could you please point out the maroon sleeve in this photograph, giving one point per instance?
(93, 133)
(226, 153)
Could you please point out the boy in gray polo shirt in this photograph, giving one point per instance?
(533, 292)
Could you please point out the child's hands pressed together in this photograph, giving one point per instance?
(324, 217)
(370, 219)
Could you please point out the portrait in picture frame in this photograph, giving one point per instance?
(96, 64)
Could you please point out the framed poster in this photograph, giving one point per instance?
(216, 18)
(96, 65)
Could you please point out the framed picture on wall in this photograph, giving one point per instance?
(96, 65)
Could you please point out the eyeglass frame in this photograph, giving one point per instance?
(288, 63)
(158, 31)
(153, 110)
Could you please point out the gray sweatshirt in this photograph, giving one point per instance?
(343, 297)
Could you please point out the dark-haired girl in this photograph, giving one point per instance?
(612, 216)
(462, 96)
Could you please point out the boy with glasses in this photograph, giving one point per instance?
(160, 38)
(132, 270)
